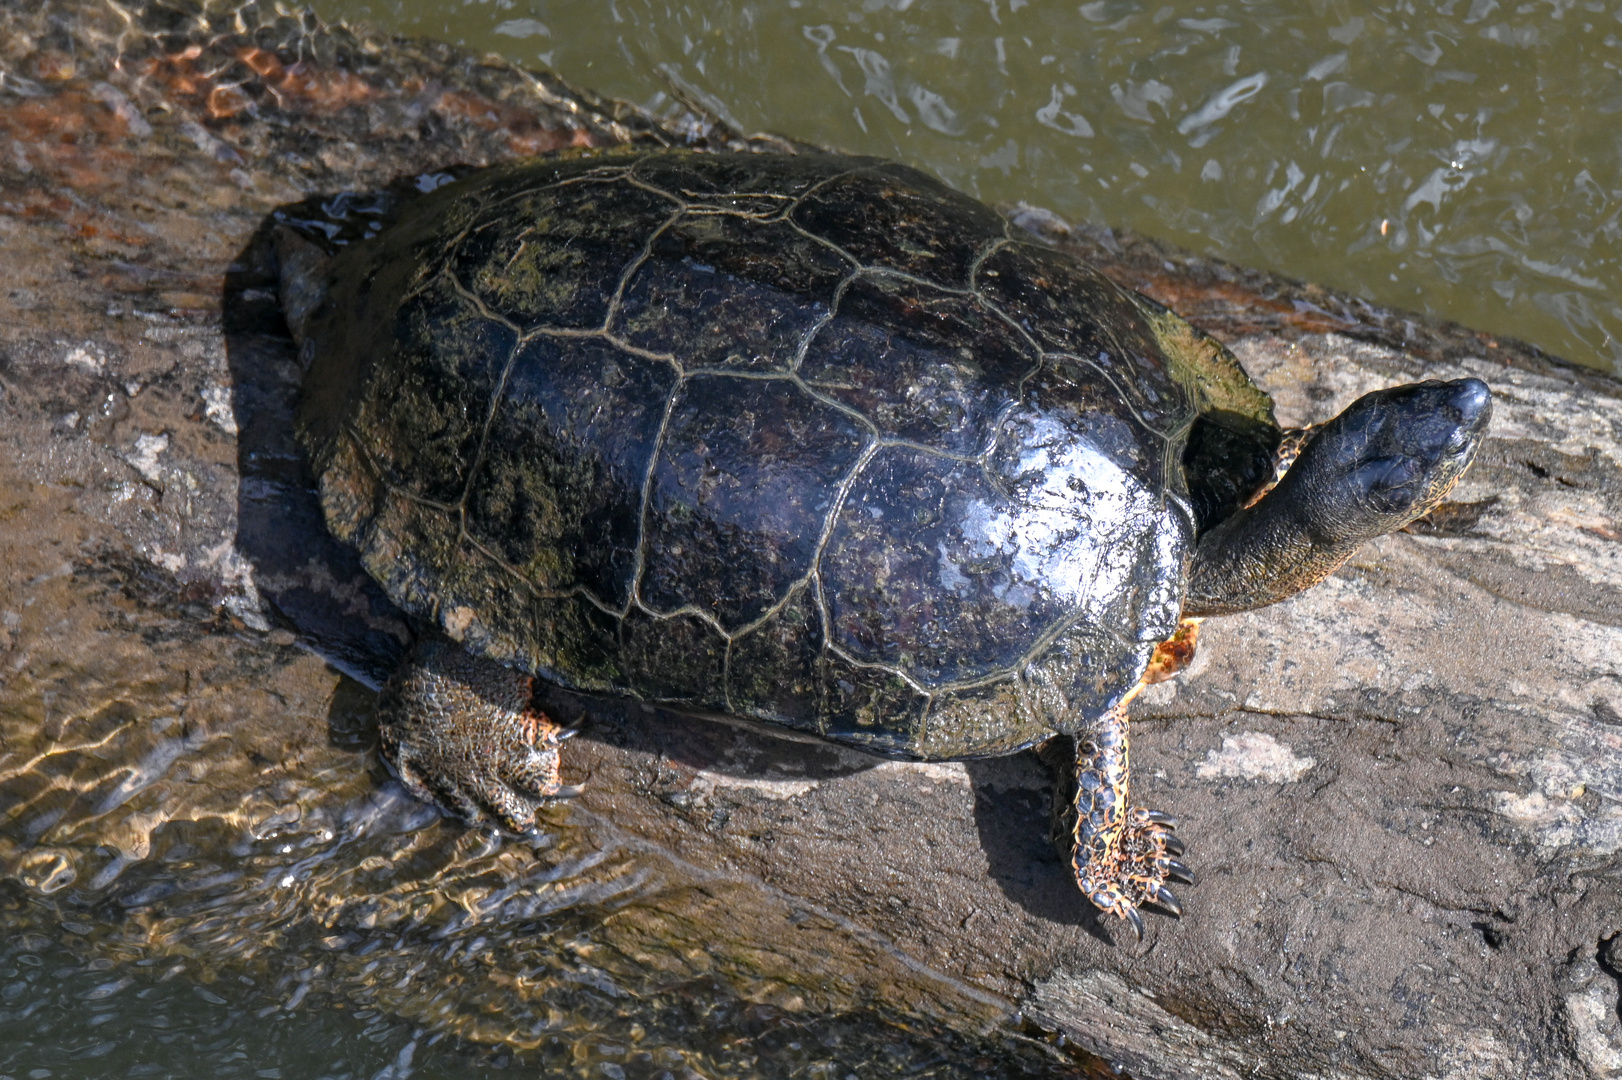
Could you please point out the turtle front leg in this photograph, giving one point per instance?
(1123, 855)
(464, 734)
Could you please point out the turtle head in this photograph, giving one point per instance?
(1390, 458)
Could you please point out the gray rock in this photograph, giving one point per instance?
(1402, 790)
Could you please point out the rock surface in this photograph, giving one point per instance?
(1402, 790)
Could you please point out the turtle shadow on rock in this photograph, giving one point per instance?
(313, 585)
(740, 749)
(1013, 799)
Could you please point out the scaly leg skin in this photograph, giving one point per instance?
(1123, 855)
(462, 733)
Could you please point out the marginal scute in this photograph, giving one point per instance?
(350, 489)
(981, 721)
(774, 672)
(1209, 374)
(485, 606)
(1082, 674)
(1071, 309)
(870, 707)
(407, 547)
(574, 642)
(675, 659)
(808, 439)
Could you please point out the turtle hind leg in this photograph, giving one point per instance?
(1123, 856)
(463, 733)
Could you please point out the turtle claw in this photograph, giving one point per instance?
(1127, 871)
(514, 812)
(459, 804)
(571, 791)
(1131, 915)
(567, 733)
(1176, 870)
(1167, 900)
(1121, 854)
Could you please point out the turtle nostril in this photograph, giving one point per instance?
(1471, 398)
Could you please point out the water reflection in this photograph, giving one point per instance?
(369, 938)
(1461, 159)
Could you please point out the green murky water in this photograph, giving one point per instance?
(1462, 158)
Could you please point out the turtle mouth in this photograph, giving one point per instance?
(1437, 423)
(1459, 411)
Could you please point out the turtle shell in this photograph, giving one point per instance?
(810, 439)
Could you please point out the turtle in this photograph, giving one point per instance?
(811, 440)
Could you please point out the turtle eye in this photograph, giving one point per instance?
(1387, 484)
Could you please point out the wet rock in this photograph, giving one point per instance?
(1401, 789)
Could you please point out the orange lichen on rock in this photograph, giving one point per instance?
(224, 101)
(225, 84)
(525, 135)
(304, 85)
(72, 140)
(176, 72)
(52, 66)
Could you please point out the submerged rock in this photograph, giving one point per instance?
(1404, 786)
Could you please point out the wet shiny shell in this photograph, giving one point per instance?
(814, 440)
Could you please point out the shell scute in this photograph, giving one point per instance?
(721, 291)
(485, 605)
(1071, 309)
(747, 475)
(558, 492)
(678, 659)
(759, 182)
(986, 720)
(897, 218)
(923, 365)
(563, 267)
(422, 418)
(1097, 530)
(774, 672)
(574, 642)
(942, 568)
(871, 707)
(407, 547)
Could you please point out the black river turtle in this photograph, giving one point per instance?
(812, 440)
